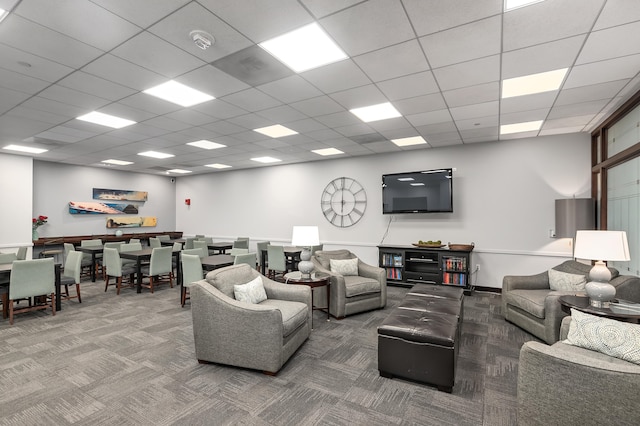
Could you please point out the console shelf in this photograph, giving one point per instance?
(409, 265)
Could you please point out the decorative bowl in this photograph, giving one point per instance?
(461, 247)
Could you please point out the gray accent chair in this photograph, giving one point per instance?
(567, 385)
(529, 302)
(352, 294)
(259, 336)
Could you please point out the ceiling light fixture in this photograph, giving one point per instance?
(3, 14)
(217, 166)
(117, 162)
(28, 149)
(202, 39)
(178, 93)
(376, 112)
(413, 140)
(303, 49)
(515, 4)
(266, 160)
(155, 154)
(327, 151)
(179, 171)
(528, 126)
(205, 144)
(102, 119)
(276, 131)
(533, 83)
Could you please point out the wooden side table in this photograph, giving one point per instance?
(581, 303)
(316, 280)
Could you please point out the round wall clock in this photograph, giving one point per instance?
(343, 202)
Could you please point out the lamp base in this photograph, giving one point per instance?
(305, 266)
(599, 290)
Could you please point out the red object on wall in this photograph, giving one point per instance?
(187, 201)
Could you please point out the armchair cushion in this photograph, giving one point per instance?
(294, 314)
(344, 266)
(251, 292)
(564, 281)
(614, 338)
(356, 286)
(531, 301)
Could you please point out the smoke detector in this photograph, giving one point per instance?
(202, 39)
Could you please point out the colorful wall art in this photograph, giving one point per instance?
(94, 207)
(131, 222)
(119, 195)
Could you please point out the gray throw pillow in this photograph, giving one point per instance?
(563, 281)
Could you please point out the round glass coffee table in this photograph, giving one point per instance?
(621, 310)
(316, 280)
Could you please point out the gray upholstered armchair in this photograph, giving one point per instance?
(351, 294)
(568, 385)
(529, 302)
(260, 336)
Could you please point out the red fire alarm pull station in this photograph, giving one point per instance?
(187, 201)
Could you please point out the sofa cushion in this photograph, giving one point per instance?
(356, 285)
(614, 338)
(563, 281)
(531, 301)
(251, 292)
(344, 266)
(574, 267)
(225, 278)
(294, 314)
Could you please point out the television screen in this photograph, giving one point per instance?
(428, 191)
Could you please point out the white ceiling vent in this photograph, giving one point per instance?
(202, 39)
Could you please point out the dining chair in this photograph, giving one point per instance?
(134, 240)
(241, 243)
(130, 247)
(31, 278)
(202, 245)
(196, 251)
(115, 268)
(160, 266)
(176, 247)
(235, 251)
(7, 258)
(71, 275)
(4, 279)
(199, 236)
(191, 272)
(154, 242)
(277, 261)
(164, 237)
(248, 258)
(22, 253)
(50, 249)
(111, 244)
(96, 242)
(260, 246)
(86, 263)
(188, 244)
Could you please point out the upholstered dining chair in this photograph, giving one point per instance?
(235, 251)
(260, 246)
(29, 279)
(277, 261)
(130, 247)
(188, 243)
(159, 266)
(154, 242)
(71, 274)
(201, 245)
(241, 243)
(164, 237)
(115, 269)
(86, 263)
(134, 240)
(248, 258)
(110, 244)
(91, 243)
(22, 253)
(197, 251)
(191, 272)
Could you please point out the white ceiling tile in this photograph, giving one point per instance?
(369, 26)
(430, 16)
(524, 116)
(141, 12)
(290, 89)
(541, 58)
(210, 80)
(20, 82)
(408, 58)
(428, 118)
(461, 44)
(125, 73)
(602, 72)
(73, 97)
(472, 95)
(337, 76)
(359, 97)
(194, 118)
(470, 73)
(88, 83)
(338, 119)
(150, 104)
(32, 65)
(525, 103)
(321, 105)
(389, 124)
(618, 12)
(320, 8)
(575, 110)
(590, 93)
(420, 104)
(251, 100)
(282, 114)
(409, 86)
(478, 126)
(485, 109)
(604, 44)
(9, 98)
(219, 109)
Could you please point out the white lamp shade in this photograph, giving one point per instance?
(305, 236)
(602, 245)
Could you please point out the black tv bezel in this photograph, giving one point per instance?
(444, 169)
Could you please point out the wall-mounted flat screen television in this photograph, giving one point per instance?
(428, 191)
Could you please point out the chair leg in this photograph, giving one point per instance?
(151, 284)
(5, 305)
(10, 312)
(53, 304)
(171, 279)
(78, 293)
(106, 283)
(118, 285)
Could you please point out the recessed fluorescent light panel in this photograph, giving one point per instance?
(417, 184)
(26, 149)
(276, 131)
(178, 93)
(327, 151)
(102, 119)
(376, 112)
(304, 49)
(204, 144)
(534, 83)
(117, 162)
(179, 171)
(507, 129)
(407, 179)
(155, 154)
(217, 166)
(413, 140)
(265, 160)
(515, 4)
(3, 14)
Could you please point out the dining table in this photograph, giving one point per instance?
(209, 263)
(5, 270)
(291, 254)
(93, 251)
(219, 246)
(144, 255)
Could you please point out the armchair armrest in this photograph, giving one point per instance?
(627, 287)
(526, 282)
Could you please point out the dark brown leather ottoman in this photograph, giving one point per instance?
(419, 340)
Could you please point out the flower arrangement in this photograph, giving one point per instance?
(38, 221)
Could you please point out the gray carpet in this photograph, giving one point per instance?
(129, 359)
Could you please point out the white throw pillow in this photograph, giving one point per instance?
(564, 281)
(344, 266)
(251, 292)
(614, 338)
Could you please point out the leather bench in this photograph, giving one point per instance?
(420, 338)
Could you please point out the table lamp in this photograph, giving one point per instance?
(305, 237)
(601, 246)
